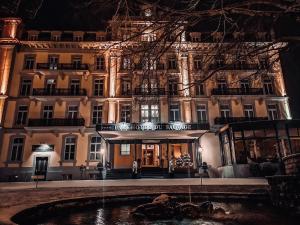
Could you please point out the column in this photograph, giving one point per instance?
(187, 111)
(185, 75)
(112, 111)
(113, 75)
(8, 42)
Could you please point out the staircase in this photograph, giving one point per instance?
(153, 172)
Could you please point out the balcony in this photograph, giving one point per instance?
(234, 66)
(150, 91)
(237, 91)
(140, 66)
(223, 120)
(59, 122)
(59, 92)
(62, 66)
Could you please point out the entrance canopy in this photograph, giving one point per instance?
(160, 133)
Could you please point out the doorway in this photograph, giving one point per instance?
(41, 165)
(150, 155)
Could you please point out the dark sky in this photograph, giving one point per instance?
(60, 14)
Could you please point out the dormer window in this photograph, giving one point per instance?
(148, 12)
(55, 37)
(33, 37)
(78, 38)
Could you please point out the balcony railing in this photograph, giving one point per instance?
(237, 91)
(152, 126)
(55, 122)
(149, 91)
(59, 92)
(159, 66)
(223, 120)
(62, 66)
(234, 66)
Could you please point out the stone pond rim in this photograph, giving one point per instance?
(54, 206)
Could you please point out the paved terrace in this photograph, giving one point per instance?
(16, 197)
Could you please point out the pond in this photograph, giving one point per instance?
(119, 214)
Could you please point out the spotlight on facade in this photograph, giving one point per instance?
(200, 149)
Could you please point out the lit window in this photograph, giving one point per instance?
(95, 148)
(125, 149)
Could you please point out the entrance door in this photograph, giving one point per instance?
(150, 155)
(41, 164)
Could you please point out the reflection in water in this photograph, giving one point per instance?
(100, 217)
(120, 215)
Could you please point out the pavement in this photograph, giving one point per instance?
(136, 183)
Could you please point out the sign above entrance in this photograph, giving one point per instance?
(42, 148)
(149, 126)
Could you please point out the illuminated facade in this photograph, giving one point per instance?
(75, 98)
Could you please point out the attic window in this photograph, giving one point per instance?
(148, 12)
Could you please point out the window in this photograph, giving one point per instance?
(69, 148)
(55, 37)
(248, 111)
(125, 149)
(53, 62)
(29, 62)
(25, 87)
(273, 112)
(76, 62)
(196, 39)
(199, 88)
(268, 87)
(75, 86)
(33, 37)
(245, 85)
(73, 111)
(95, 148)
(100, 38)
(125, 113)
(172, 64)
(78, 38)
(17, 149)
(202, 113)
(50, 86)
(98, 87)
(197, 63)
(174, 112)
(97, 114)
(224, 110)
(220, 61)
(48, 112)
(149, 113)
(173, 87)
(222, 85)
(100, 63)
(22, 115)
(126, 87)
(126, 63)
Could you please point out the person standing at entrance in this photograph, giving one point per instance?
(171, 168)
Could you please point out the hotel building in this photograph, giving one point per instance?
(72, 99)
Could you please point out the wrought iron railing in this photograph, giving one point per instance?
(59, 92)
(56, 122)
(225, 120)
(62, 66)
(149, 91)
(237, 91)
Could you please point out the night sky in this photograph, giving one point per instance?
(59, 14)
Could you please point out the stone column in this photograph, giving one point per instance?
(112, 111)
(113, 75)
(8, 42)
(187, 111)
(185, 75)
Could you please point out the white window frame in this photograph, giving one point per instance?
(125, 149)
